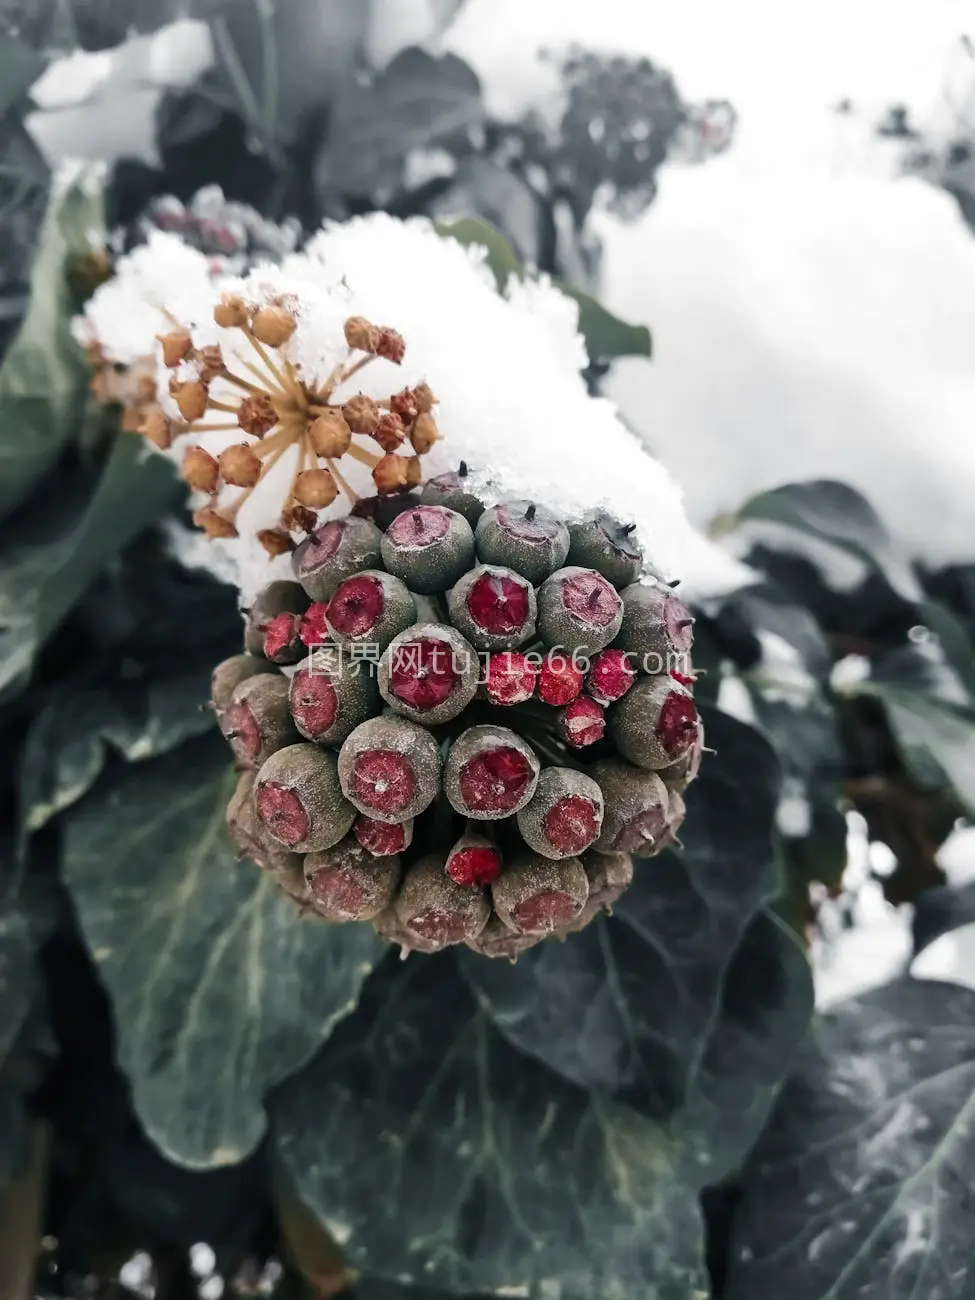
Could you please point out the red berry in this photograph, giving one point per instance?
(565, 815)
(282, 639)
(422, 674)
(497, 604)
(314, 703)
(357, 605)
(582, 722)
(383, 780)
(611, 675)
(382, 838)
(420, 526)
(685, 679)
(495, 780)
(559, 680)
(283, 813)
(473, 861)
(677, 724)
(588, 596)
(313, 631)
(509, 678)
(572, 824)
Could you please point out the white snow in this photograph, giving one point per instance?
(951, 957)
(812, 316)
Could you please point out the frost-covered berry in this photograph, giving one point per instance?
(451, 490)
(611, 674)
(509, 678)
(565, 814)
(609, 876)
(434, 908)
(257, 721)
(578, 610)
(250, 836)
(493, 607)
(346, 883)
(429, 673)
(490, 773)
(559, 679)
(227, 676)
(474, 860)
(390, 769)
(676, 813)
(655, 724)
(523, 536)
(496, 940)
(370, 608)
(330, 695)
(336, 551)
(429, 547)
(636, 806)
(276, 598)
(382, 838)
(282, 639)
(299, 798)
(537, 895)
(314, 629)
(679, 775)
(582, 722)
(604, 544)
(657, 627)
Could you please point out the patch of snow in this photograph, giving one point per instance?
(951, 957)
(849, 672)
(793, 816)
(956, 857)
(735, 700)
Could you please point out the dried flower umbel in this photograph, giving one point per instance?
(521, 730)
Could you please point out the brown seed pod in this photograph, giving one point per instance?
(636, 807)
(249, 835)
(565, 814)
(390, 768)
(435, 908)
(655, 724)
(257, 722)
(345, 883)
(535, 895)
(299, 798)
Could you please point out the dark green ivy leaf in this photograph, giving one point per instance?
(436, 1154)
(219, 991)
(20, 66)
(43, 377)
(55, 547)
(861, 1187)
(16, 994)
(606, 336)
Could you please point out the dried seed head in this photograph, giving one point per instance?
(536, 895)
(191, 398)
(389, 432)
(330, 696)
(175, 346)
(346, 883)
(414, 472)
(565, 815)
(330, 435)
(296, 518)
(423, 398)
(424, 434)
(209, 362)
(157, 428)
(213, 523)
(273, 325)
(230, 312)
(316, 488)
(362, 414)
(256, 415)
(429, 673)
(239, 465)
(200, 470)
(490, 773)
(257, 721)
(636, 808)
(390, 345)
(275, 541)
(300, 801)
(434, 908)
(390, 769)
(392, 473)
(360, 334)
(655, 724)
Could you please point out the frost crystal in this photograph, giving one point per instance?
(504, 369)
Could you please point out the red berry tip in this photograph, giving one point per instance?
(559, 680)
(509, 678)
(582, 722)
(313, 631)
